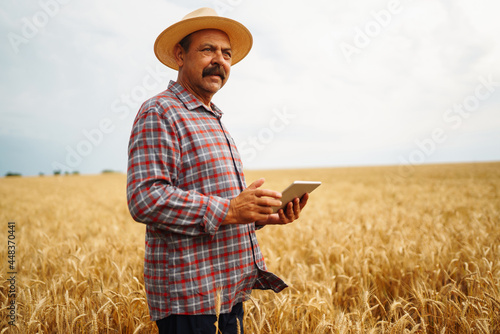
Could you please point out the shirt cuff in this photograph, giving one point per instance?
(215, 213)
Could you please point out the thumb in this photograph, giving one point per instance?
(257, 184)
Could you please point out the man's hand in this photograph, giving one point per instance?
(287, 215)
(252, 204)
(255, 205)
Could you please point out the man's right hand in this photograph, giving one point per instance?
(252, 204)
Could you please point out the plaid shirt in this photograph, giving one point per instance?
(183, 169)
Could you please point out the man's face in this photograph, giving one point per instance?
(206, 65)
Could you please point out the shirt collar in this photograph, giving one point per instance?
(190, 101)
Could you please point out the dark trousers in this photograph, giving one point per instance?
(202, 324)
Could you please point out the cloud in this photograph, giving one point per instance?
(412, 62)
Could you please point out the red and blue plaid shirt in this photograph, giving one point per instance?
(183, 169)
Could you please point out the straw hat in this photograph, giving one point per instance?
(203, 18)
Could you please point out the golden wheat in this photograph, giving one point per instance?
(377, 250)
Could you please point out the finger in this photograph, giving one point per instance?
(272, 219)
(263, 216)
(257, 184)
(268, 202)
(303, 200)
(264, 210)
(268, 193)
(283, 218)
(289, 212)
(296, 207)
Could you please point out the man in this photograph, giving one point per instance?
(185, 182)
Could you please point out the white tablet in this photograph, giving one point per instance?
(296, 189)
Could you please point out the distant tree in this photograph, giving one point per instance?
(76, 172)
(57, 172)
(108, 171)
(41, 174)
(9, 174)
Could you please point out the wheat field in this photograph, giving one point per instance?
(376, 250)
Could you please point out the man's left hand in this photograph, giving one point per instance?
(287, 215)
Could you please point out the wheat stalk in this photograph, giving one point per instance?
(371, 253)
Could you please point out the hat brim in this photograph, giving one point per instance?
(239, 36)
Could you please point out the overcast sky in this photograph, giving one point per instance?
(327, 83)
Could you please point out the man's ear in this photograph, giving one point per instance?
(179, 55)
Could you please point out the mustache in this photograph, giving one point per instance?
(215, 70)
